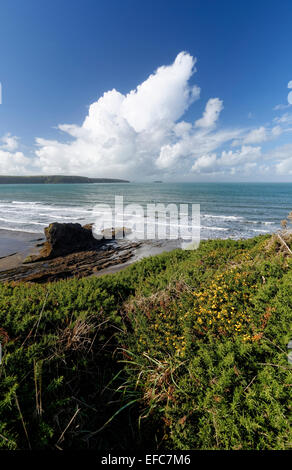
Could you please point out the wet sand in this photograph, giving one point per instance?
(16, 246)
(14, 241)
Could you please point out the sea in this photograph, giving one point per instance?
(227, 210)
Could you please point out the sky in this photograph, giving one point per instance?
(175, 90)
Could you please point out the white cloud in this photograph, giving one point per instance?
(280, 153)
(9, 142)
(142, 134)
(204, 162)
(13, 163)
(193, 144)
(256, 136)
(211, 113)
(139, 134)
(276, 131)
(284, 167)
(122, 135)
(280, 159)
(244, 155)
(285, 118)
(263, 134)
(163, 97)
(229, 162)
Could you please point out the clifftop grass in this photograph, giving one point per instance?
(185, 350)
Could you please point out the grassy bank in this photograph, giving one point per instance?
(184, 350)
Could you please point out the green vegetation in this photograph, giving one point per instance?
(56, 179)
(185, 350)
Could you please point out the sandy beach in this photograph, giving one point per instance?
(15, 246)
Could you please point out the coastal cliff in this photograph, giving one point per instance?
(56, 179)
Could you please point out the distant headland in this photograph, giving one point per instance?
(56, 179)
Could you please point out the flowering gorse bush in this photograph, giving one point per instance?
(185, 350)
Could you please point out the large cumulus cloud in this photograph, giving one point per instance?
(123, 134)
(143, 134)
(140, 134)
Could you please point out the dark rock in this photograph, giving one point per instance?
(79, 264)
(117, 232)
(62, 239)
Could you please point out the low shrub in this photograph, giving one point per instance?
(184, 350)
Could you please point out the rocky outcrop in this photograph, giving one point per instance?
(63, 239)
(81, 264)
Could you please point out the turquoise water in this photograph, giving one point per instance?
(227, 209)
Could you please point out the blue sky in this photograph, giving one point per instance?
(60, 57)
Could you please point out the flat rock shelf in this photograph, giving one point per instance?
(81, 264)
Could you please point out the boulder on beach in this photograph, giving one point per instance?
(66, 238)
(62, 239)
